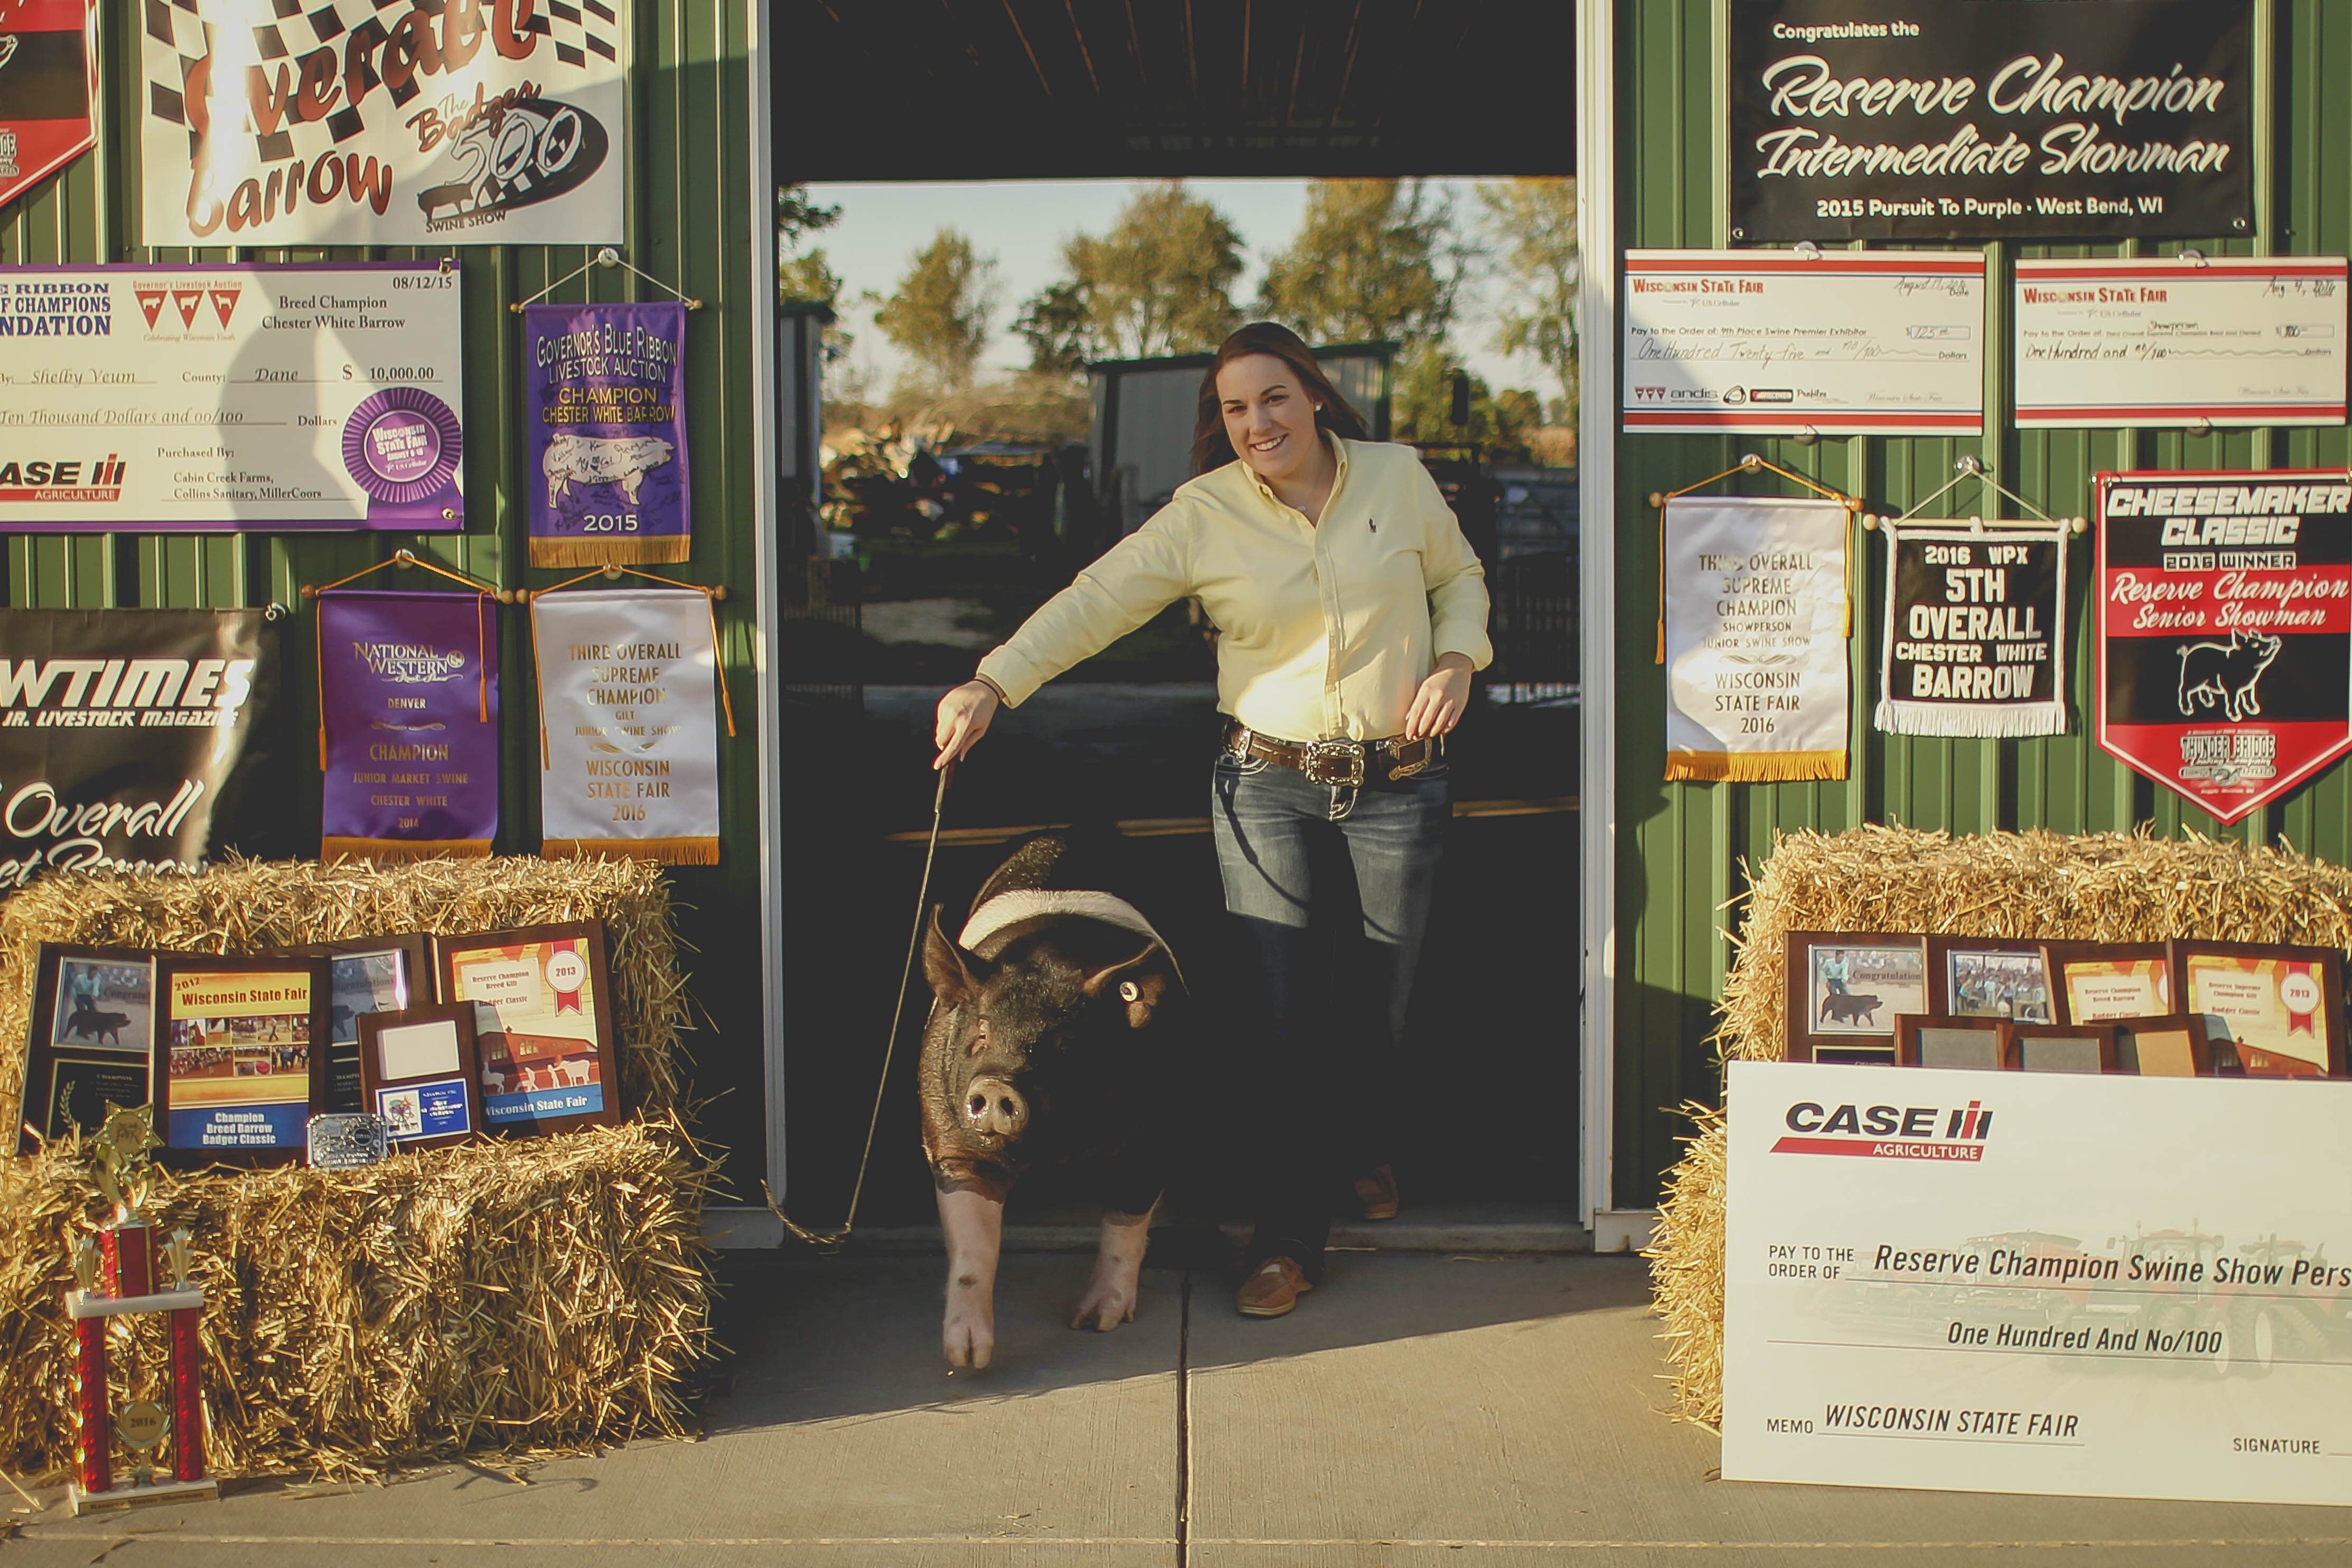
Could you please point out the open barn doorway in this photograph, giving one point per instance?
(930, 507)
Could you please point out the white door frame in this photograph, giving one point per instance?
(1596, 453)
(745, 1225)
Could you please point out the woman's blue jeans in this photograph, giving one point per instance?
(1334, 912)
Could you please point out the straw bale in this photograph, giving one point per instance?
(245, 906)
(520, 1296)
(524, 1296)
(2051, 887)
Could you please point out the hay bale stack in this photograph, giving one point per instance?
(247, 906)
(526, 1296)
(2043, 887)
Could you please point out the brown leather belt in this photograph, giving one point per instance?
(1343, 763)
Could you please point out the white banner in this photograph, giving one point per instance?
(2039, 1282)
(629, 742)
(210, 395)
(1883, 344)
(2235, 340)
(1756, 616)
(383, 122)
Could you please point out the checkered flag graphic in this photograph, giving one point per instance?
(273, 34)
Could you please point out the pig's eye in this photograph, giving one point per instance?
(1129, 991)
(979, 1042)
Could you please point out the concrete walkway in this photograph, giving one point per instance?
(1419, 1409)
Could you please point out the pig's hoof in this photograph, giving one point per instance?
(968, 1339)
(1103, 1310)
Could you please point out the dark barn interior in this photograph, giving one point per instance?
(970, 90)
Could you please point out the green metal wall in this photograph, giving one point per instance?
(687, 219)
(1681, 845)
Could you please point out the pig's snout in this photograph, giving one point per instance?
(994, 1108)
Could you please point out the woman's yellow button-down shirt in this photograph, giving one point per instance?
(1327, 630)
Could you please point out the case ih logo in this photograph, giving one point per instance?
(1885, 1132)
(185, 302)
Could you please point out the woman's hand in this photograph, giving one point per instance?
(1437, 706)
(964, 715)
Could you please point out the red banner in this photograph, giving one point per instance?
(49, 81)
(2225, 630)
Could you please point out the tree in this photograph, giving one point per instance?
(1052, 322)
(1531, 223)
(938, 315)
(1422, 403)
(801, 271)
(1161, 281)
(1373, 259)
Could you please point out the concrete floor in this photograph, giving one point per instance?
(1420, 1408)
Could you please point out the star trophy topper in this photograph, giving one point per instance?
(115, 1270)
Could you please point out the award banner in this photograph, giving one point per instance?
(1975, 631)
(371, 122)
(628, 734)
(2101, 1285)
(605, 403)
(408, 723)
(1990, 120)
(1756, 624)
(51, 52)
(2225, 630)
(208, 396)
(127, 737)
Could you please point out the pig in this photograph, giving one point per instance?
(1055, 1013)
(623, 461)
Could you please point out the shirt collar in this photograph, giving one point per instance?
(1338, 453)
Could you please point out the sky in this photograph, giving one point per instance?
(1023, 224)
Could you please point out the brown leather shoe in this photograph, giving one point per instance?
(1273, 1291)
(1378, 1194)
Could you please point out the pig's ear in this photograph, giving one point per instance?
(1139, 987)
(955, 972)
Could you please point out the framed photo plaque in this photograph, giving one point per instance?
(2098, 981)
(365, 975)
(1846, 989)
(543, 1024)
(92, 1040)
(420, 1076)
(1984, 977)
(1941, 1040)
(235, 1075)
(2280, 1007)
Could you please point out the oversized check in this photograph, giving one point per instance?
(214, 396)
(2234, 340)
(2039, 1282)
(1889, 343)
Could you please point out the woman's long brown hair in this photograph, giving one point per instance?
(1212, 448)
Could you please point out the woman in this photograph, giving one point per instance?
(1351, 614)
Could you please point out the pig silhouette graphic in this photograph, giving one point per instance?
(2220, 673)
(584, 461)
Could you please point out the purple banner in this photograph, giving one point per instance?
(606, 407)
(408, 718)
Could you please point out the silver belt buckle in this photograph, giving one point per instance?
(1340, 763)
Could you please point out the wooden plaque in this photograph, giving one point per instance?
(543, 1024)
(93, 1041)
(418, 1072)
(1845, 991)
(2280, 1007)
(237, 1071)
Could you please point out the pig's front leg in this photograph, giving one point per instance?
(1110, 1297)
(974, 1225)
